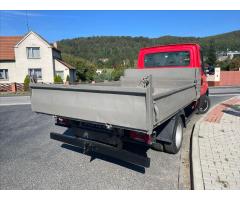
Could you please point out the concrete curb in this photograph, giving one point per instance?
(15, 104)
(195, 161)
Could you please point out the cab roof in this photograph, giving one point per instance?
(171, 45)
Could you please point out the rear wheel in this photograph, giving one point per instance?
(177, 137)
(204, 104)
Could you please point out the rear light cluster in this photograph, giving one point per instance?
(140, 137)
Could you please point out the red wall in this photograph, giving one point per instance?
(231, 78)
(227, 78)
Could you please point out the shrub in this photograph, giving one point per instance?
(58, 79)
(106, 75)
(68, 78)
(26, 83)
(117, 73)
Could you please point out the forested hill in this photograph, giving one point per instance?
(116, 50)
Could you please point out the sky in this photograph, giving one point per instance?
(57, 25)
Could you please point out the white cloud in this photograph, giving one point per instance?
(20, 13)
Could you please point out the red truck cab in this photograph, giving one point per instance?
(174, 55)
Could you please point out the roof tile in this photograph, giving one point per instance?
(7, 44)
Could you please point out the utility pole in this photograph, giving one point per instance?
(27, 21)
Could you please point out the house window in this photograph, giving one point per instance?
(60, 73)
(33, 52)
(35, 72)
(3, 74)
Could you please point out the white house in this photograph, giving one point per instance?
(31, 55)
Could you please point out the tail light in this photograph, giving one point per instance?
(140, 137)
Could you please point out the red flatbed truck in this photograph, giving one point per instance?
(149, 106)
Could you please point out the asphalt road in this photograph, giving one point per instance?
(29, 159)
(14, 100)
(224, 91)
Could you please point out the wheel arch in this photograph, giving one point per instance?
(162, 131)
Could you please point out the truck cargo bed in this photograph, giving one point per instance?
(129, 104)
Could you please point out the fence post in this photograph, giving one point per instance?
(14, 87)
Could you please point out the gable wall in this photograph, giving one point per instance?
(60, 67)
(45, 62)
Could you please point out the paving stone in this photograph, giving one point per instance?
(219, 148)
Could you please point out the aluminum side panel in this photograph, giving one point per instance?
(167, 105)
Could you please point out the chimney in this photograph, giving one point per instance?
(55, 44)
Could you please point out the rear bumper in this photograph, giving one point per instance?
(104, 149)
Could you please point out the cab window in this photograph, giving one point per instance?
(179, 58)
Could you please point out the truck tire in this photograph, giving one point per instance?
(177, 137)
(204, 104)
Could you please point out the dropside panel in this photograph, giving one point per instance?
(122, 109)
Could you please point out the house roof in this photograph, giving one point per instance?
(66, 64)
(7, 44)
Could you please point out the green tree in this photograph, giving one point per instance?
(229, 64)
(26, 83)
(116, 49)
(211, 54)
(85, 69)
(224, 65)
(234, 64)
